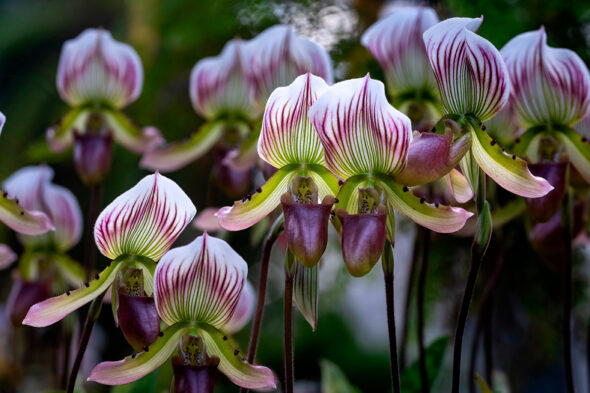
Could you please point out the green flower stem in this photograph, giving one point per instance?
(269, 240)
(288, 322)
(387, 264)
(425, 240)
(91, 317)
(481, 241)
(567, 221)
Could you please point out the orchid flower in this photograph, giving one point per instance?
(197, 289)
(98, 76)
(396, 42)
(134, 231)
(474, 85)
(551, 93)
(288, 142)
(7, 256)
(366, 143)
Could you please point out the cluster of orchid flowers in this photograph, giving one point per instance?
(335, 153)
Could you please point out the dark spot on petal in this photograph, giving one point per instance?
(161, 334)
(493, 142)
(236, 352)
(22, 213)
(259, 189)
(584, 139)
(133, 356)
(86, 284)
(224, 338)
(336, 200)
(483, 128)
(146, 349)
(422, 200)
(68, 293)
(514, 156)
(517, 140)
(340, 182)
(406, 189)
(96, 276)
(436, 205)
(433, 129)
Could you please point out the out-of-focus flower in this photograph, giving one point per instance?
(366, 143)
(33, 188)
(243, 312)
(551, 93)
(396, 42)
(474, 85)
(7, 256)
(98, 75)
(135, 230)
(2, 121)
(197, 290)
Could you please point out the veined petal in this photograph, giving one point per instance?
(56, 308)
(7, 256)
(396, 42)
(231, 364)
(439, 218)
(129, 135)
(431, 156)
(136, 366)
(287, 135)
(243, 312)
(550, 85)
(578, 151)
(220, 85)
(360, 131)
(325, 181)
(144, 220)
(305, 292)
(469, 70)
(458, 186)
(503, 126)
(509, 171)
(93, 67)
(23, 221)
(176, 155)
(278, 56)
(247, 212)
(201, 281)
(61, 136)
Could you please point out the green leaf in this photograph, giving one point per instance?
(410, 377)
(326, 182)
(334, 380)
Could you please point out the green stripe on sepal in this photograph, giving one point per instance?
(305, 292)
(136, 366)
(578, 151)
(125, 132)
(326, 182)
(231, 364)
(439, 218)
(348, 196)
(56, 308)
(61, 137)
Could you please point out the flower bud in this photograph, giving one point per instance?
(22, 296)
(543, 208)
(92, 156)
(137, 314)
(306, 221)
(363, 235)
(194, 371)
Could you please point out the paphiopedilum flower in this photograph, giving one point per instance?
(197, 290)
(135, 230)
(474, 85)
(396, 42)
(97, 74)
(33, 188)
(551, 93)
(288, 142)
(7, 256)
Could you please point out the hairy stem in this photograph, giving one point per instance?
(91, 317)
(425, 236)
(387, 263)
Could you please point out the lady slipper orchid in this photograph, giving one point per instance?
(396, 42)
(7, 256)
(197, 289)
(474, 85)
(33, 188)
(134, 231)
(551, 93)
(98, 76)
(288, 142)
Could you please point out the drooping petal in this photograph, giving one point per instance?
(396, 42)
(144, 220)
(28, 185)
(139, 365)
(305, 292)
(458, 186)
(247, 212)
(439, 218)
(129, 135)
(360, 131)
(23, 221)
(201, 281)
(207, 221)
(471, 75)
(509, 171)
(243, 312)
(176, 155)
(56, 308)
(220, 85)
(7, 256)
(94, 68)
(431, 156)
(61, 136)
(231, 364)
(550, 85)
(278, 56)
(578, 151)
(287, 135)
(65, 213)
